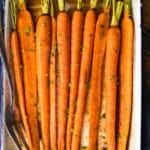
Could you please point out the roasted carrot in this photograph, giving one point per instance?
(63, 41)
(27, 45)
(76, 44)
(125, 75)
(53, 100)
(43, 46)
(110, 74)
(97, 73)
(86, 61)
(15, 50)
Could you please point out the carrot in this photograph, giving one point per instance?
(110, 74)
(43, 46)
(76, 44)
(53, 102)
(27, 45)
(125, 75)
(63, 40)
(97, 73)
(18, 75)
(87, 50)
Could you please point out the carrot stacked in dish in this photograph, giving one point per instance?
(126, 77)
(52, 83)
(63, 45)
(15, 50)
(25, 31)
(95, 96)
(43, 46)
(76, 44)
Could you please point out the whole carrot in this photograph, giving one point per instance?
(110, 74)
(43, 46)
(15, 50)
(95, 96)
(76, 44)
(125, 75)
(63, 40)
(86, 61)
(27, 45)
(53, 99)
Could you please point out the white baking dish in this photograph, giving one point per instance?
(135, 134)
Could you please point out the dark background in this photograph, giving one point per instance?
(146, 76)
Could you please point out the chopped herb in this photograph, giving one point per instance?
(72, 130)
(87, 84)
(83, 147)
(50, 82)
(31, 50)
(112, 77)
(54, 48)
(60, 34)
(52, 54)
(76, 102)
(104, 148)
(91, 35)
(118, 135)
(69, 85)
(27, 30)
(21, 66)
(103, 115)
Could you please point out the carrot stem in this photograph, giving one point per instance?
(93, 4)
(52, 8)
(13, 13)
(45, 6)
(61, 5)
(106, 3)
(79, 4)
(22, 2)
(127, 5)
(116, 12)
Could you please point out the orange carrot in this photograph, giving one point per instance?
(125, 75)
(76, 44)
(43, 46)
(63, 40)
(97, 73)
(87, 50)
(110, 74)
(27, 45)
(53, 102)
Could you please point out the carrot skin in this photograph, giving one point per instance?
(43, 46)
(97, 75)
(27, 44)
(111, 64)
(88, 41)
(19, 82)
(53, 98)
(126, 81)
(76, 43)
(63, 40)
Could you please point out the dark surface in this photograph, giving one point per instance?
(146, 77)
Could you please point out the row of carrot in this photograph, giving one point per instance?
(68, 69)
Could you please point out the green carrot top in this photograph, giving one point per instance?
(45, 6)
(79, 4)
(13, 13)
(127, 6)
(116, 12)
(106, 3)
(61, 5)
(93, 4)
